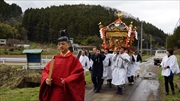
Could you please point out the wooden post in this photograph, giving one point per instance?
(51, 69)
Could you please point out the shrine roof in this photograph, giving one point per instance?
(117, 23)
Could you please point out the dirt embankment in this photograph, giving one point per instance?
(15, 77)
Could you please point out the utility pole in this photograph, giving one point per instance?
(138, 43)
(166, 43)
(178, 22)
(13, 39)
(151, 45)
(138, 46)
(141, 36)
(147, 48)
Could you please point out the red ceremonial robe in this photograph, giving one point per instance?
(71, 71)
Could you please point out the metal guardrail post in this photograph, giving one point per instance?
(3, 61)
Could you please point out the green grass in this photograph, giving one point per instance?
(33, 44)
(178, 58)
(144, 57)
(169, 97)
(20, 52)
(24, 94)
(88, 78)
(27, 94)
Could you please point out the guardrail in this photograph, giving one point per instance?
(20, 60)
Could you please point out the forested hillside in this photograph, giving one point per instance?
(10, 22)
(81, 21)
(174, 40)
(7, 11)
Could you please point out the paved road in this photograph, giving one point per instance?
(145, 88)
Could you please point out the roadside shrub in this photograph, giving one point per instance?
(11, 49)
(6, 52)
(20, 48)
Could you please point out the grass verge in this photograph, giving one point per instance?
(26, 94)
(88, 78)
(169, 97)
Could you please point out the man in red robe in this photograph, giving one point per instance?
(67, 81)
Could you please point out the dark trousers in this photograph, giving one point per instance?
(109, 80)
(169, 79)
(97, 81)
(102, 81)
(131, 79)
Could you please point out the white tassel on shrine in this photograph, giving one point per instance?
(101, 33)
(136, 35)
(129, 32)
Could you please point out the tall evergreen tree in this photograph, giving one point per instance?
(81, 21)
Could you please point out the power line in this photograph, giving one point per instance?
(178, 22)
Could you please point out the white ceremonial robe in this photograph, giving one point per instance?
(107, 70)
(114, 57)
(136, 64)
(119, 74)
(131, 70)
(84, 60)
(172, 63)
(91, 63)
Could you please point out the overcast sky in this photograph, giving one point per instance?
(164, 14)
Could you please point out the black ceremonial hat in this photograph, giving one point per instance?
(63, 36)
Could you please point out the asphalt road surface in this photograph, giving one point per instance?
(145, 87)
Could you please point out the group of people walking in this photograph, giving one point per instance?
(117, 68)
(63, 77)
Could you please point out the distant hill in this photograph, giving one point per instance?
(10, 23)
(81, 21)
(7, 11)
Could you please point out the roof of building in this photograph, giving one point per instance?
(33, 51)
(75, 45)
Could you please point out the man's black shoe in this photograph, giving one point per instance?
(173, 92)
(97, 91)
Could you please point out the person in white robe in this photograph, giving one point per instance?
(84, 60)
(136, 58)
(130, 69)
(119, 74)
(114, 57)
(169, 67)
(107, 70)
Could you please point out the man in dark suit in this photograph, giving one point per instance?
(97, 69)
